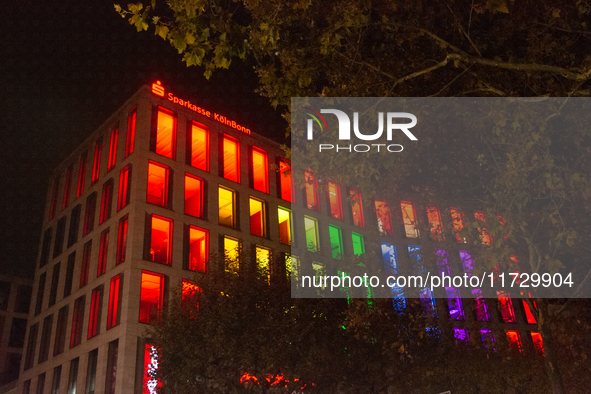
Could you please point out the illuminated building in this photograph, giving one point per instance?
(142, 206)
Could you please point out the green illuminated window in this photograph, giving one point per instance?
(336, 241)
(358, 244)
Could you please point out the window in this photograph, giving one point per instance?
(85, 263)
(461, 335)
(536, 338)
(122, 240)
(457, 218)
(4, 295)
(257, 217)
(231, 255)
(57, 376)
(199, 146)
(514, 339)
(53, 203)
(129, 141)
(45, 338)
(384, 217)
(73, 376)
(69, 274)
(357, 208)
(91, 371)
(336, 241)
(60, 233)
(194, 192)
(311, 191)
(41, 384)
(17, 332)
(40, 291)
(263, 262)
(60, 331)
(481, 308)
(151, 296)
(114, 302)
(78, 315)
(488, 338)
(358, 244)
(45, 247)
(409, 217)
(74, 225)
(106, 199)
(157, 184)
(311, 228)
(102, 260)
(94, 319)
(23, 299)
(55, 278)
(31, 346)
(89, 214)
(418, 268)
(454, 301)
(96, 165)
(198, 249)
(190, 293)
(27, 387)
(485, 237)
(113, 148)
(160, 238)
(124, 187)
(260, 170)
(227, 204)
(81, 174)
(285, 181)
(506, 307)
(529, 316)
(163, 139)
(435, 223)
(231, 159)
(67, 186)
(112, 355)
(150, 384)
(284, 225)
(334, 201)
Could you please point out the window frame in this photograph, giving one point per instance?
(165, 188)
(122, 239)
(357, 215)
(191, 156)
(103, 250)
(123, 195)
(284, 180)
(96, 163)
(106, 201)
(159, 300)
(94, 317)
(263, 232)
(81, 174)
(114, 307)
(130, 135)
(234, 208)
(154, 134)
(225, 160)
(202, 194)
(152, 255)
(113, 147)
(188, 260)
(254, 174)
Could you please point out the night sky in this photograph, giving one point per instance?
(65, 68)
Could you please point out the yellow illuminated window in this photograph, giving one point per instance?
(257, 217)
(227, 210)
(284, 225)
(260, 170)
(263, 260)
(232, 255)
(231, 157)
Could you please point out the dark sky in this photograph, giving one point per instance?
(65, 66)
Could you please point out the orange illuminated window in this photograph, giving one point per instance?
(409, 217)
(102, 260)
(227, 207)
(67, 187)
(435, 223)
(160, 240)
(151, 296)
(96, 166)
(334, 200)
(311, 191)
(113, 310)
(106, 199)
(384, 217)
(124, 182)
(514, 339)
(528, 313)
(457, 218)
(89, 211)
(231, 159)
(53, 203)
(199, 146)
(284, 225)
(190, 292)
(164, 141)
(81, 174)
(194, 192)
(506, 307)
(95, 312)
(198, 249)
(113, 148)
(157, 184)
(260, 170)
(122, 240)
(485, 237)
(536, 338)
(129, 141)
(285, 181)
(85, 263)
(357, 208)
(77, 316)
(257, 217)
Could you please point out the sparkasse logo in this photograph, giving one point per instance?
(344, 123)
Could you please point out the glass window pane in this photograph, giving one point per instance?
(358, 244)
(226, 207)
(157, 184)
(284, 225)
(260, 170)
(285, 180)
(384, 217)
(152, 291)
(357, 208)
(311, 191)
(232, 255)
(193, 196)
(334, 199)
(263, 262)
(257, 217)
(311, 228)
(409, 217)
(165, 134)
(198, 249)
(231, 157)
(200, 147)
(336, 241)
(160, 240)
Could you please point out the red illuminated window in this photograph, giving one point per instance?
(285, 181)
(334, 201)
(102, 260)
(95, 312)
(113, 148)
(78, 315)
(85, 263)
(164, 133)
(53, 203)
(409, 217)
(528, 313)
(160, 239)
(199, 146)
(311, 191)
(384, 217)
(435, 223)
(67, 187)
(113, 311)
(81, 174)
(506, 307)
(457, 218)
(129, 141)
(151, 384)
(124, 183)
(485, 237)
(151, 296)
(96, 166)
(194, 192)
(257, 217)
(157, 184)
(260, 170)
(122, 240)
(190, 293)
(198, 249)
(106, 199)
(514, 339)
(536, 338)
(357, 208)
(231, 159)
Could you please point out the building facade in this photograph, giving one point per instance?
(144, 205)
